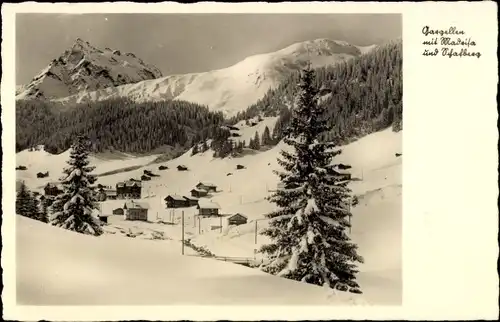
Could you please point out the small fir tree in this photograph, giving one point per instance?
(73, 208)
(266, 137)
(308, 235)
(256, 141)
(25, 203)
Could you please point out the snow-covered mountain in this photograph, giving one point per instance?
(232, 89)
(86, 68)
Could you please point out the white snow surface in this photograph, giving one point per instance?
(376, 219)
(59, 267)
(231, 89)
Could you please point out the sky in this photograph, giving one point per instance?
(189, 43)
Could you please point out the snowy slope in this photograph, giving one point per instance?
(232, 89)
(376, 220)
(59, 267)
(86, 68)
(42, 161)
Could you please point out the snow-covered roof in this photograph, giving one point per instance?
(175, 197)
(206, 184)
(191, 198)
(136, 205)
(198, 190)
(207, 204)
(237, 215)
(129, 184)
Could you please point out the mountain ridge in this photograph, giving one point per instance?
(84, 67)
(232, 89)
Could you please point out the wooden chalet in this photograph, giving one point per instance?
(237, 219)
(106, 194)
(52, 189)
(240, 167)
(182, 168)
(191, 201)
(128, 189)
(145, 178)
(198, 193)
(135, 211)
(208, 208)
(209, 187)
(176, 201)
(162, 167)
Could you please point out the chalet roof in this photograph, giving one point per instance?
(181, 166)
(175, 197)
(135, 205)
(206, 204)
(191, 198)
(206, 184)
(237, 215)
(198, 190)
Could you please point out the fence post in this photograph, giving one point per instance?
(182, 232)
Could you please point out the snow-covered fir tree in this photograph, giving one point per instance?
(26, 203)
(308, 235)
(73, 209)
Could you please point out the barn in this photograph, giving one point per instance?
(237, 219)
(135, 211)
(208, 208)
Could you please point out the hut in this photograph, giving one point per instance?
(239, 167)
(162, 167)
(176, 201)
(103, 218)
(198, 193)
(135, 211)
(182, 168)
(118, 211)
(208, 208)
(237, 219)
(42, 175)
(209, 187)
(145, 178)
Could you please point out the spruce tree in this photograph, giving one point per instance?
(73, 209)
(308, 235)
(266, 137)
(256, 141)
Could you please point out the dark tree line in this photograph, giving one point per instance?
(362, 95)
(119, 124)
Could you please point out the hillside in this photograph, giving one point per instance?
(376, 220)
(118, 125)
(361, 96)
(232, 89)
(84, 68)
